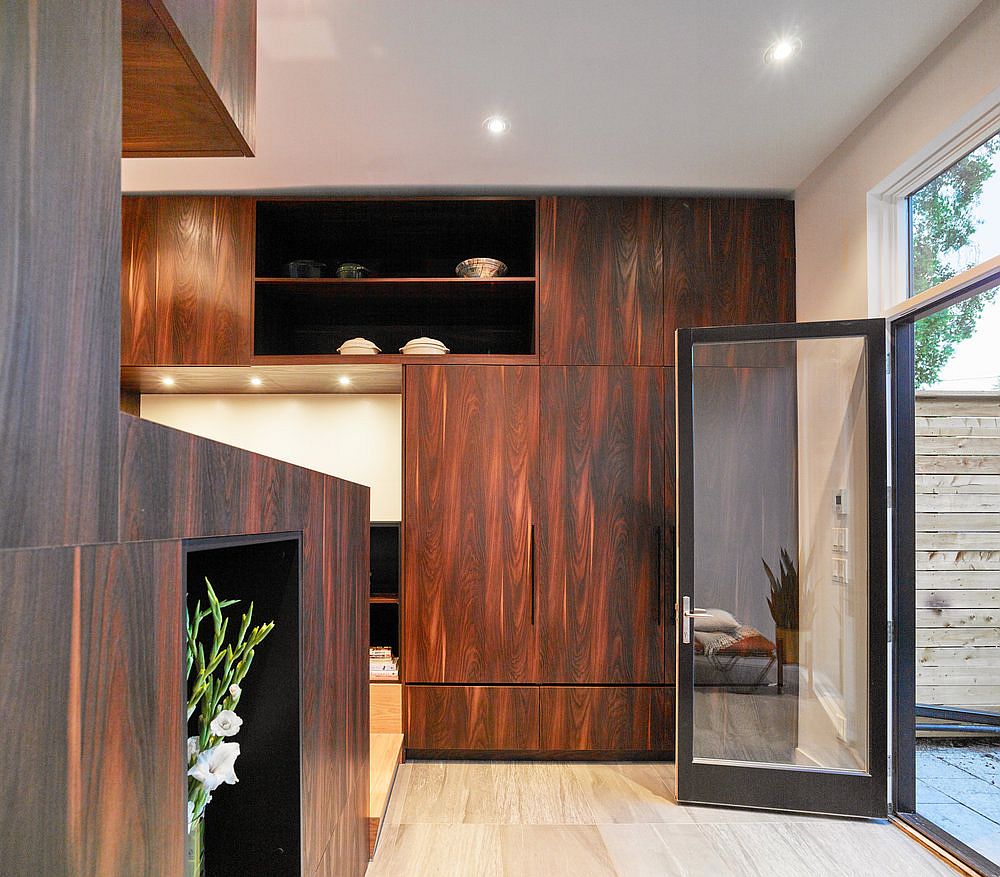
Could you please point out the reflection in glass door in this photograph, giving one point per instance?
(781, 567)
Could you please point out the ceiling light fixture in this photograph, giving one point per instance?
(256, 381)
(345, 381)
(782, 50)
(496, 124)
(167, 381)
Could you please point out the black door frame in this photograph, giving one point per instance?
(805, 790)
(904, 576)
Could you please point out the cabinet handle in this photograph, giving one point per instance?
(659, 575)
(531, 563)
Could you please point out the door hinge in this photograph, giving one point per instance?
(889, 630)
(888, 363)
(889, 496)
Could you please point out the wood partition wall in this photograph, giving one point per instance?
(96, 506)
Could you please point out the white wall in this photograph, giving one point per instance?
(358, 438)
(830, 205)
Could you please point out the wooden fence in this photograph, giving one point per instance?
(958, 549)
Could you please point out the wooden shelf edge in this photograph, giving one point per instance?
(376, 281)
(384, 598)
(386, 754)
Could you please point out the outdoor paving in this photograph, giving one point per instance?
(958, 788)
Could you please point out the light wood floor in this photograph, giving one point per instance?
(576, 820)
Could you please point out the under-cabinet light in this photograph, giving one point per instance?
(496, 124)
(345, 381)
(255, 381)
(167, 381)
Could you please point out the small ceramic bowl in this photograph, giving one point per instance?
(424, 346)
(481, 268)
(358, 347)
(352, 271)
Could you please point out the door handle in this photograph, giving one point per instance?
(687, 614)
(531, 561)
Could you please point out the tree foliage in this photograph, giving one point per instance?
(942, 224)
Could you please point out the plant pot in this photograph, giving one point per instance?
(195, 861)
(788, 645)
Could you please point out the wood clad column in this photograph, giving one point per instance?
(471, 440)
(600, 281)
(60, 189)
(600, 541)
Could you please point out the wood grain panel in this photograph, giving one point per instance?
(204, 280)
(222, 36)
(600, 281)
(727, 261)
(609, 718)
(36, 637)
(599, 543)
(179, 485)
(138, 281)
(129, 718)
(471, 439)
(472, 717)
(60, 196)
(188, 84)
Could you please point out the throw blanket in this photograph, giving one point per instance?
(742, 641)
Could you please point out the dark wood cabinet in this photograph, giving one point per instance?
(471, 449)
(187, 280)
(602, 530)
(600, 281)
(604, 719)
(727, 261)
(468, 718)
(189, 72)
(204, 279)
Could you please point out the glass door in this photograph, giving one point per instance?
(781, 567)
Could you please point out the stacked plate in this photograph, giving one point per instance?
(424, 346)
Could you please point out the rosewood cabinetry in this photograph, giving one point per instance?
(471, 451)
(187, 277)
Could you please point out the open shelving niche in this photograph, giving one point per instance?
(386, 745)
(411, 248)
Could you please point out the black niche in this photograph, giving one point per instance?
(254, 827)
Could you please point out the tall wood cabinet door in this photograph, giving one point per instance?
(471, 436)
(205, 258)
(601, 532)
(728, 261)
(600, 281)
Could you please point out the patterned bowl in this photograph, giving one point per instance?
(481, 268)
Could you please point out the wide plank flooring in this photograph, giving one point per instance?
(504, 819)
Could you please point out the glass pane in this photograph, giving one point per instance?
(955, 219)
(780, 553)
(957, 563)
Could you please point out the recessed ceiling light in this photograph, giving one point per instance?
(345, 381)
(256, 381)
(496, 124)
(167, 381)
(782, 50)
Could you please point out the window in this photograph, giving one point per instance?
(954, 226)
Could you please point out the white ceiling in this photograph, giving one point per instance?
(621, 94)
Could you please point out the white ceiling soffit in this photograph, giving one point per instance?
(666, 95)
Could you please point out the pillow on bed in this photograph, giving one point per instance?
(715, 620)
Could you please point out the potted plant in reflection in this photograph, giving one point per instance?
(783, 602)
(215, 671)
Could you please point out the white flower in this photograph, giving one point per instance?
(215, 766)
(190, 815)
(192, 748)
(225, 724)
(235, 690)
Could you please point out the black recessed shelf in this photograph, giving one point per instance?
(254, 827)
(385, 587)
(411, 248)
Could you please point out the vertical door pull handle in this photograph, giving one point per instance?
(688, 613)
(659, 576)
(531, 562)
